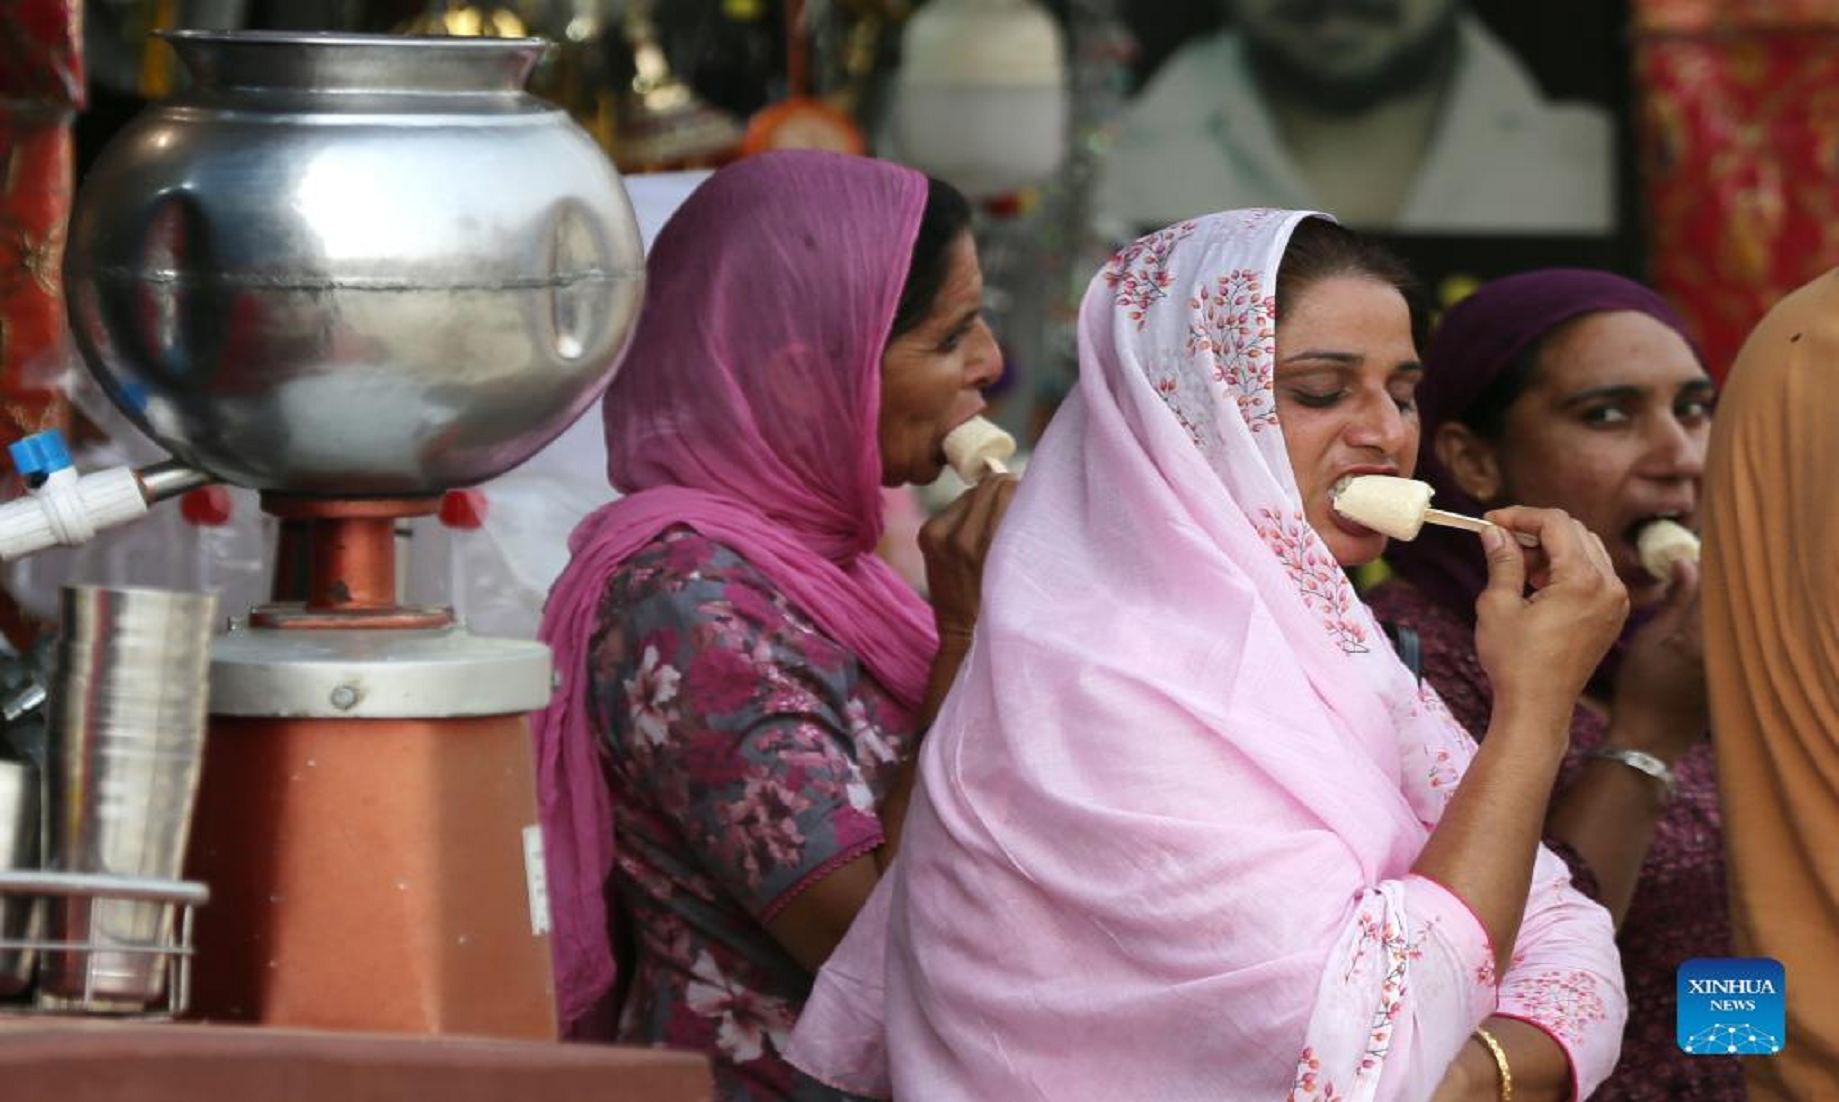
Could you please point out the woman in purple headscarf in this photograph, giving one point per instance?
(1580, 390)
(744, 683)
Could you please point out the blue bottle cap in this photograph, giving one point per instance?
(40, 454)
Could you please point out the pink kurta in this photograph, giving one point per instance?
(1162, 843)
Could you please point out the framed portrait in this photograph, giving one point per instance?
(1478, 137)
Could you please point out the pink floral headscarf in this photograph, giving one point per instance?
(1162, 843)
(746, 410)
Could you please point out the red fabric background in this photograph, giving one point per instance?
(1740, 155)
(41, 86)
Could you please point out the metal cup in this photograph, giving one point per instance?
(19, 828)
(126, 742)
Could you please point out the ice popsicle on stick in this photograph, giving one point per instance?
(978, 448)
(1663, 543)
(1400, 507)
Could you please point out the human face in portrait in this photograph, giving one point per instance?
(933, 376)
(1346, 376)
(1612, 428)
(1347, 55)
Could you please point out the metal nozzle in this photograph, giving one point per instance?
(170, 479)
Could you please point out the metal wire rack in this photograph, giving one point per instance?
(177, 947)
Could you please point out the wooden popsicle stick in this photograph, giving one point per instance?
(996, 466)
(1474, 524)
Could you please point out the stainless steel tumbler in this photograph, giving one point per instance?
(126, 742)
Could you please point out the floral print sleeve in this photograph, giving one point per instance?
(748, 754)
(1560, 979)
(730, 714)
(1412, 975)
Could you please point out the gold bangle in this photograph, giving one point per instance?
(1500, 1062)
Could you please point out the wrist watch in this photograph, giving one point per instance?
(1644, 762)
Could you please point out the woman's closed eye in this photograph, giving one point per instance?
(1318, 399)
(1404, 398)
(958, 332)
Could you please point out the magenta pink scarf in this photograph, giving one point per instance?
(746, 410)
(1160, 848)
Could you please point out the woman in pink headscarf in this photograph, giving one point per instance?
(1233, 850)
(744, 683)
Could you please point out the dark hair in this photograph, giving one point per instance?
(1320, 249)
(1486, 413)
(947, 217)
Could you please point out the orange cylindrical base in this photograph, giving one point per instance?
(369, 874)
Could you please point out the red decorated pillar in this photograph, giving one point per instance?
(41, 88)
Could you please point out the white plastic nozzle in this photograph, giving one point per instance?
(69, 509)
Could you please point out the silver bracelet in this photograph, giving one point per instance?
(1644, 762)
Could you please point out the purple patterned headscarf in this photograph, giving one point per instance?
(1477, 342)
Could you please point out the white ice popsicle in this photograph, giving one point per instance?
(978, 448)
(1663, 543)
(1396, 507)
(1400, 507)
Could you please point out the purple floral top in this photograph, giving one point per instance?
(1679, 910)
(747, 754)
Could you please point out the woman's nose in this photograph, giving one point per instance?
(1379, 423)
(1676, 449)
(983, 358)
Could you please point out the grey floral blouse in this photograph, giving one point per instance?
(747, 754)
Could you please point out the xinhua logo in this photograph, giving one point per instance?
(1732, 1006)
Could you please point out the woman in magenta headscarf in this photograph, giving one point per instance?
(1580, 390)
(744, 683)
(1186, 829)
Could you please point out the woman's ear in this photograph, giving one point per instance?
(1470, 460)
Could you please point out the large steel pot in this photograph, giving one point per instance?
(353, 265)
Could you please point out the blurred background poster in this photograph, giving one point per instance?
(1479, 136)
